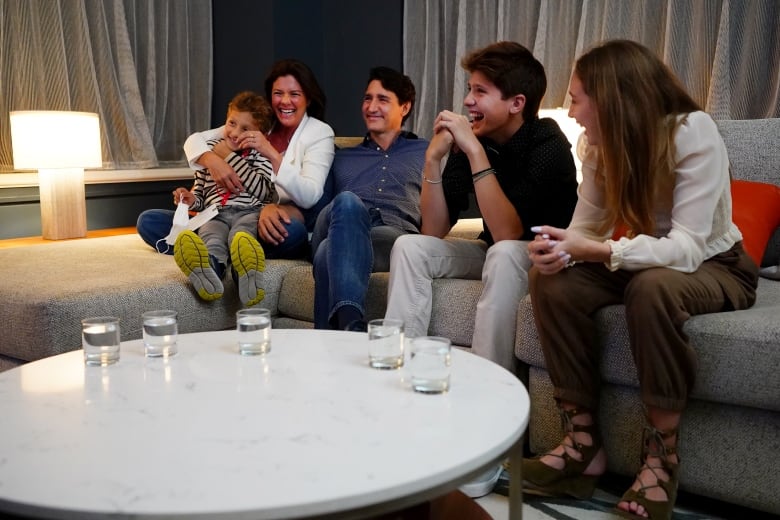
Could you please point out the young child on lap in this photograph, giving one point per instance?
(229, 238)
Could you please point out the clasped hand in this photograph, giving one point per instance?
(451, 131)
(552, 249)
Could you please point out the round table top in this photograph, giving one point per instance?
(306, 430)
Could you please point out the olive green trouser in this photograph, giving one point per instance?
(658, 302)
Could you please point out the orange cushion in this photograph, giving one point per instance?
(620, 231)
(756, 212)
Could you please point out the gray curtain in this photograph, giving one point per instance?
(726, 52)
(143, 66)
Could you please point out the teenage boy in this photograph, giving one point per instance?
(521, 172)
(374, 193)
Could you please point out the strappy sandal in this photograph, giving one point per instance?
(541, 479)
(656, 509)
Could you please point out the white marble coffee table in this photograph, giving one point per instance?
(308, 430)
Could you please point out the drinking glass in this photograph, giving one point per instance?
(386, 343)
(161, 330)
(100, 340)
(254, 331)
(429, 364)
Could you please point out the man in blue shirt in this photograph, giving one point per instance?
(374, 193)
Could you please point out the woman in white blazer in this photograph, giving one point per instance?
(300, 147)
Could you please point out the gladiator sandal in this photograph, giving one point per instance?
(653, 445)
(541, 479)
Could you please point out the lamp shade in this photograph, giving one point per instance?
(55, 139)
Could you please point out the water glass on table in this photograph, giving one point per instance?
(161, 331)
(386, 343)
(100, 340)
(429, 364)
(254, 331)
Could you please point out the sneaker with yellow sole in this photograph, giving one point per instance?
(192, 257)
(248, 259)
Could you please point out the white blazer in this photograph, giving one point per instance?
(305, 164)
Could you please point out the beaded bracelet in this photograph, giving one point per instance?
(477, 176)
(429, 181)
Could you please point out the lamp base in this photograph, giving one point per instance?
(63, 204)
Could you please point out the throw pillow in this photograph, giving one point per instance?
(755, 210)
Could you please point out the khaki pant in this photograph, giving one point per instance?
(416, 260)
(658, 303)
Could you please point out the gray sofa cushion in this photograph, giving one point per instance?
(738, 352)
(296, 298)
(452, 314)
(47, 289)
(453, 310)
(748, 142)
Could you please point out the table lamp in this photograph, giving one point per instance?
(571, 129)
(59, 144)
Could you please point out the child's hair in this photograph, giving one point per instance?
(255, 104)
(513, 70)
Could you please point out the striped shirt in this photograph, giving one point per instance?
(255, 172)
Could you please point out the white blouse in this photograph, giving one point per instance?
(699, 225)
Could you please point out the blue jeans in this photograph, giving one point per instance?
(346, 238)
(154, 225)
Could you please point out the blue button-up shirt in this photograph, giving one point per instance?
(387, 181)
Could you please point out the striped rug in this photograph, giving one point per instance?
(600, 506)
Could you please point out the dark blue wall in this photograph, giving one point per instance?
(339, 39)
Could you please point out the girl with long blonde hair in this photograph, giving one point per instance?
(656, 168)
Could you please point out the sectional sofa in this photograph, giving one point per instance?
(730, 440)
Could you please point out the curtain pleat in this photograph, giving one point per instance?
(144, 67)
(754, 61)
(726, 52)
